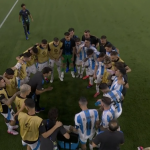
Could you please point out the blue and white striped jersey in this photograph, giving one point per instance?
(82, 55)
(85, 122)
(92, 61)
(116, 86)
(107, 116)
(101, 68)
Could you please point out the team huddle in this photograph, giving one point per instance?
(22, 84)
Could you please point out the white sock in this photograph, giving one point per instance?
(91, 80)
(91, 147)
(59, 70)
(78, 68)
(86, 71)
(10, 128)
(82, 70)
(7, 124)
(97, 88)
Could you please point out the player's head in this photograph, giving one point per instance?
(67, 36)
(87, 33)
(44, 43)
(87, 42)
(105, 101)
(71, 31)
(103, 39)
(77, 41)
(25, 89)
(29, 104)
(23, 6)
(107, 62)
(113, 125)
(9, 73)
(2, 82)
(83, 102)
(89, 53)
(120, 72)
(56, 41)
(34, 50)
(53, 114)
(27, 56)
(108, 47)
(46, 71)
(101, 57)
(114, 56)
(104, 87)
(118, 65)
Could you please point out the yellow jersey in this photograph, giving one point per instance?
(3, 94)
(119, 60)
(55, 50)
(29, 126)
(42, 55)
(12, 87)
(19, 101)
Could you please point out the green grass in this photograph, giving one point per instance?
(126, 24)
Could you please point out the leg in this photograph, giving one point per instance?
(52, 66)
(74, 63)
(83, 146)
(58, 63)
(64, 61)
(67, 69)
(25, 31)
(28, 147)
(70, 57)
(28, 25)
(37, 99)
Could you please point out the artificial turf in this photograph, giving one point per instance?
(126, 24)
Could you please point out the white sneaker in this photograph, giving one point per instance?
(62, 75)
(51, 81)
(13, 132)
(61, 79)
(72, 73)
(15, 127)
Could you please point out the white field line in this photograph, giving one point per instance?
(8, 13)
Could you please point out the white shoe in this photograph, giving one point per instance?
(72, 73)
(95, 81)
(51, 81)
(77, 76)
(62, 75)
(13, 132)
(15, 127)
(61, 79)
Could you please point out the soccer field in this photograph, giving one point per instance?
(127, 26)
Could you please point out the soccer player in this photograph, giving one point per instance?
(11, 85)
(55, 53)
(36, 83)
(6, 109)
(115, 58)
(109, 48)
(25, 90)
(118, 81)
(24, 13)
(87, 46)
(31, 67)
(108, 113)
(86, 122)
(42, 55)
(68, 53)
(32, 126)
(93, 39)
(99, 71)
(21, 69)
(115, 96)
(72, 34)
(81, 55)
(92, 59)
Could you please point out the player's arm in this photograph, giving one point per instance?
(6, 80)
(20, 110)
(95, 70)
(30, 15)
(128, 69)
(97, 140)
(17, 66)
(10, 100)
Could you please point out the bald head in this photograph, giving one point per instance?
(113, 125)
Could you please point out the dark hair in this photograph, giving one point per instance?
(29, 102)
(22, 5)
(83, 100)
(66, 33)
(109, 45)
(46, 70)
(106, 100)
(53, 114)
(56, 39)
(71, 29)
(88, 39)
(114, 53)
(119, 64)
(87, 31)
(103, 86)
(122, 70)
(89, 52)
(113, 125)
(107, 60)
(101, 55)
(77, 39)
(9, 71)
(27, 54)
(34, 49)
(103, 37)
(44, 41)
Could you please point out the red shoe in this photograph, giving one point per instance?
(86, 77)
(140, 148)
(89, 86)
(13, 132)
(96, 94)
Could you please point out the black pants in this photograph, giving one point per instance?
(26, 28)
(74, 62)
(36, 99)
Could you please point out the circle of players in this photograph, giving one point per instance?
(102, 67)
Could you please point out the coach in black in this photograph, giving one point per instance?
(36, 83)
(110, 139)
(24, 13)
